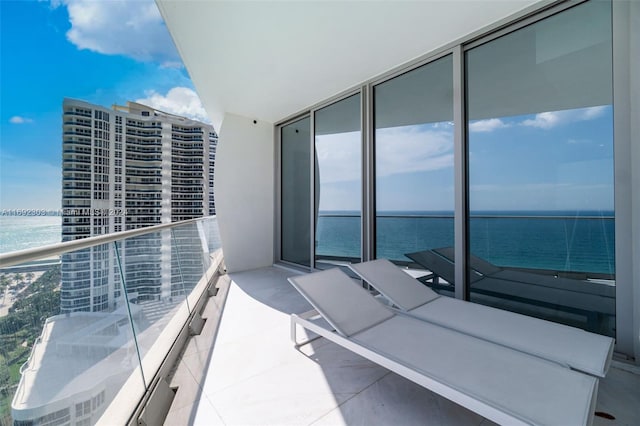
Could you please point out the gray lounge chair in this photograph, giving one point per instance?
(587, 352)
(578, 300)
(499, 383)
(488, 269)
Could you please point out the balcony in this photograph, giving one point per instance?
(241, 368)
(253, 375)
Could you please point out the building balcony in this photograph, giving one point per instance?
(239, 367)
(78, 123)
(79, 113)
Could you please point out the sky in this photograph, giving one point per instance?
(549, 161)
(103, 52)
(110, 52)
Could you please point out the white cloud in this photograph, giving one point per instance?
(487, 125)
(172, 64)
(411, 149)
(399, 150)
(339, 157)
(131, 28)
(548, 120)
(16, 119)
(179, 100)
(579, 141)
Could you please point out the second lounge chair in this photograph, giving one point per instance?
(581, 350)
(499, 383)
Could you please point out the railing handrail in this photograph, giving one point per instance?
(21, 256)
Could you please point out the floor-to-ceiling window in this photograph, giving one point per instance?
(414, 170)
(540, 149)
(534, 185)
(338, 181)
(296, 192)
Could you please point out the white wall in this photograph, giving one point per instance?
(244, 188)
(634, 72)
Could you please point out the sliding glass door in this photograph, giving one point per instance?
(295, 189)
(338, 181)
(540, 141)
(414, 174)
(509, 136)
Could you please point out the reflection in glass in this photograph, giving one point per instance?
(189, 260)
(413, 116)
(338, 175)
(296, 199)
(69, 366)
(540, 140)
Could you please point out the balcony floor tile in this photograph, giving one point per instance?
(256, 376)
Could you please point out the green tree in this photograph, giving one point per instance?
(18, 278)
(5, 377)
(4, 281)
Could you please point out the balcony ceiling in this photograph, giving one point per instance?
(268, 60)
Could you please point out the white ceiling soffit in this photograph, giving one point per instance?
(268, 60)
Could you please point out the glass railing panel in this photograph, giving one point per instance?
(212, 237)
(189, 258)
(338, 236)
(91, 326)
(67, 344)
(211, 234)
(156, 298)
(410, 239)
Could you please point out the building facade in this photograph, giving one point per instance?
(126, 168)
(213, 144)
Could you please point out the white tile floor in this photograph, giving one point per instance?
(255, 376)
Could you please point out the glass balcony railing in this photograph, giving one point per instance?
(550, 242)
(97, 319)
(554, 265)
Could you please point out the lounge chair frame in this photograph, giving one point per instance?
(356, 343)
(415, 299)
(395, 366)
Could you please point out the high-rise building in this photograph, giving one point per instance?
(125, 168)
(213, 144)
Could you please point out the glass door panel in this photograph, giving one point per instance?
(338, 182)
(414, 174)
(296, 198)
(540, 140)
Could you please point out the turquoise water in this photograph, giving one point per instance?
(553, 240)
(23, 232)
(560, 241)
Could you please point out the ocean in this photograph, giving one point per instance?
(559, 241)
(23, 232)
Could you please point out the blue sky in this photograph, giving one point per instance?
(108, 52)
(553, 160)
(105, 52)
